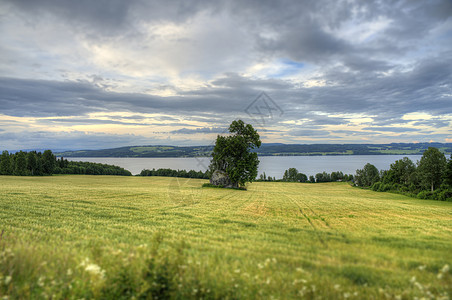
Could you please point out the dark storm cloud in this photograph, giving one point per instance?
(387, 98)
(108, 17)
(39, 98)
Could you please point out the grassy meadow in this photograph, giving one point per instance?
(106, 237)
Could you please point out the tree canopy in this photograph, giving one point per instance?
(232, 154)
(431, 168)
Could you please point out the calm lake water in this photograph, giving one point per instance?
(272, 165)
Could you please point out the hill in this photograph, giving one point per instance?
(105, 237)
(265, 150)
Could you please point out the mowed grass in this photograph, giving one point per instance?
(145, 237)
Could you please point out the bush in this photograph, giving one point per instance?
(384, 187)
(445, 195)
(376, 186)
(425, 195)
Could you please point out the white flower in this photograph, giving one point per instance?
(95, 270)
(337, 286)
(419, 286)
(84, 262)
(41, 281)
(445, 269)
(69, 272)
(8, 280)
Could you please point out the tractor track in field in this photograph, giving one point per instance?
(322, 241)
(308, 208)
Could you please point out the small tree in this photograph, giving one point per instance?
(232, 154)
(302, 177)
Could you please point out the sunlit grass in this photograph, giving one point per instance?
(113, 237)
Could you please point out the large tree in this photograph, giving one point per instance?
(367, 176)
(48, 162)
(232, 154)
(431, 168)
(402, 171)
(448, 172)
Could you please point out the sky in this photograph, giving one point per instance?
(110, 73)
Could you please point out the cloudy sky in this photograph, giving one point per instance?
(99, 74)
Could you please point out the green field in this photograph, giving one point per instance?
(108, 237)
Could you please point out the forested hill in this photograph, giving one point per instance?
(266, 150)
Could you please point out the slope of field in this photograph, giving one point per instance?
(115, 237)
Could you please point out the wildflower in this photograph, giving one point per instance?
(413, 279)
(69, 272)
(439, 276)
(422, 268)
(346, 295)
(419, 286)
(84, 262)
(237, 271)
(337, 287)
(445, 269)
(8, 280)
(95, 270)
(260, 266)
(41, 281)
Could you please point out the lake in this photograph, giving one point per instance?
(272, 165)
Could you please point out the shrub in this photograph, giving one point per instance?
(424, 195)
(445, 195)
(384, 187)
(376, 186)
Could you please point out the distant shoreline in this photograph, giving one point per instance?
(165, 151)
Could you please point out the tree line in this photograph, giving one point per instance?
(35, 163)
(292, 175)
(175, 173)
(430, 178)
